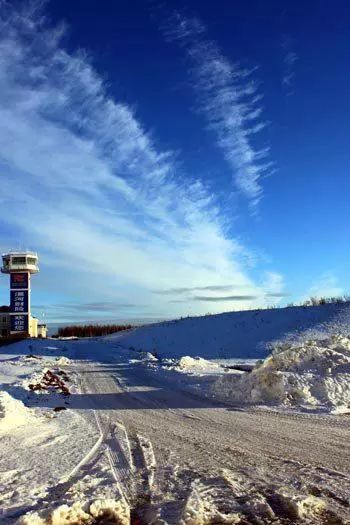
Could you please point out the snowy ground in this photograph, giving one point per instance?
(146, 440)
(41, 441)
(247, 334)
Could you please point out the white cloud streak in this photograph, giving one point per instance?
(289, 60)
(84, 183)
(230, 100)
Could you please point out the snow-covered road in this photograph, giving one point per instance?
(133, 442)
(174, 453)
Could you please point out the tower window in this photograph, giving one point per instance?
(18, 260)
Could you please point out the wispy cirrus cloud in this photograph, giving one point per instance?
(289, 60)
(85, 184)
(230, 100)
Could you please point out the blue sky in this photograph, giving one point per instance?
(177, 159)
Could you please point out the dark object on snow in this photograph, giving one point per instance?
(59, 409)
(35, 387)
(63, 374)
(241, 368)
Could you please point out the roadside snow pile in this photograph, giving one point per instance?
(13, 413)
(147, 356)
(197, 364)
(63, 361)
(311, 374)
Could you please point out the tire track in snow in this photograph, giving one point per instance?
(209, 492)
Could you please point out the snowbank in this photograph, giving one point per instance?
(13, 413)
(312, 374)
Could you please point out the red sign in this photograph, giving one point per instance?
(19, 280)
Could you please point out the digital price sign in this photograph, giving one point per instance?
(19, 301)
(19, 323)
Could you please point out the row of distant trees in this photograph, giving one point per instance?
(91, 330)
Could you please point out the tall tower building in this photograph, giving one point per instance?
(20, 266)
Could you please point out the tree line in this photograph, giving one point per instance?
(91, 330)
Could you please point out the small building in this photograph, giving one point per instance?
(33, 326)
(36, 329)
(42, 330)
(4, 321)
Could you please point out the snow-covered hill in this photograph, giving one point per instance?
(247, 334)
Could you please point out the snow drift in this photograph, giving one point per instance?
(311, 374)
(247, 334)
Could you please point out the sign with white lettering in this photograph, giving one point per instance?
(19, 298)
(19, 323)
(19, 301)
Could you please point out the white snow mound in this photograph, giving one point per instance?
(13, 412)
(99, 511)
(63, 361)
(311, 374)
(148, 356)
(197, 363)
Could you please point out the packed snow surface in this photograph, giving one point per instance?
(312, 374)
(247, 334)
